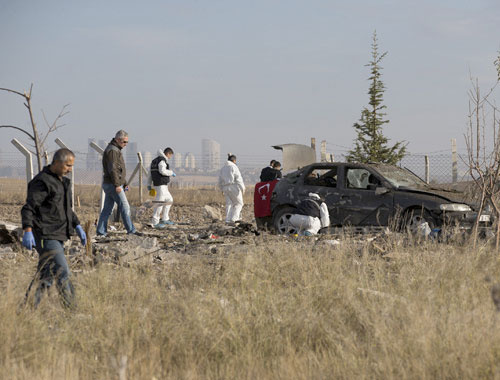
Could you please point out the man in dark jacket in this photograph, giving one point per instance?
(114, 185)
(48, 220)
(271, 172)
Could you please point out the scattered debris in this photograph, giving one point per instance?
(212, 213)
(7, 253)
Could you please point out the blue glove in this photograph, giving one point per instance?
(28, 240)
(173, 174)
(81, 234)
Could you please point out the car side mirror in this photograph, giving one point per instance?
(381, 190)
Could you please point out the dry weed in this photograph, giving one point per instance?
(292, 310)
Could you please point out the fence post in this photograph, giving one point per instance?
(323, 151)
(141, 168)
(29, 160)
(454, 163)
(427, 169)
(99, 150)
(63, 145)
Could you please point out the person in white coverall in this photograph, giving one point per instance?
(231, 183)
(159, 177)
(312, 215)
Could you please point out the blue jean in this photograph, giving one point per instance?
(52, 265)
(110, 198)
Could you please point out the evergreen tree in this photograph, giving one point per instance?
(370, 144)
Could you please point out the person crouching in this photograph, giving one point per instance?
(159, 177)
(312, 215)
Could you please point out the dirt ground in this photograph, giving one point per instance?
(195, 233)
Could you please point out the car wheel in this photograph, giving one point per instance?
(415, 220)
(281, 221)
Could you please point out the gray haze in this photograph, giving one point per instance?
(247, 74)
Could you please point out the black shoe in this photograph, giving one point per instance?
(136, 233)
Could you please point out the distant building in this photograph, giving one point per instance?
(189, 161)
(130, 151)
(147, 157)
(210, 155)
(177, 160)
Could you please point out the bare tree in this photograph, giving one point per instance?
(37, 138)
(483, 158)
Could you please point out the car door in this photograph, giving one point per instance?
(322, 180)
(359, 204)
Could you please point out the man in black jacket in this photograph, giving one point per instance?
(48, 221)
(271, 172)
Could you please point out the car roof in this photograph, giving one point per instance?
(357, 164)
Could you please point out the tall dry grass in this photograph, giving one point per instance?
(13, 192)
(287, 310)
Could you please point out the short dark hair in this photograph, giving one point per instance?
(168, 151)
(276, 164)
(62, 155)
(272, 163)
(231, 157)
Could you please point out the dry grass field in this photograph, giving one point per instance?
(283, 309)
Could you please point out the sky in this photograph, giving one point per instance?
(248, 74)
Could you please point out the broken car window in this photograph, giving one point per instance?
(399, 177)
(357, 178)
(322, 177)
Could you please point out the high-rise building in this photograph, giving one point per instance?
(177, 160)
(210, 155)
(189, 161)
(131, 159)
(147, 157)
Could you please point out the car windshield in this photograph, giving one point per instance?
(399, 177)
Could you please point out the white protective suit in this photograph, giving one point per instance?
(311, 224)
(163, 200)
(231, 183)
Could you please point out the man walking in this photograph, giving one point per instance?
(232, 186)
(114, 185)
(48, 220)
(159, 177)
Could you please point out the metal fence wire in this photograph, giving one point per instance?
(12, 165)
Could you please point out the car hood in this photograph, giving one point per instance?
(445, 195)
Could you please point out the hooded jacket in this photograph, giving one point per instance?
(230, 175)
(159, 173)
(313, 206)
(113, 165)
(48, 207)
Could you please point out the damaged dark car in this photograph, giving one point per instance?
(373, 196)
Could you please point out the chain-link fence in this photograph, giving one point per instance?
(88, 170)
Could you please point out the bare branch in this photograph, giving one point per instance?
(54, 126)
(19, 129)
(14, 92)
